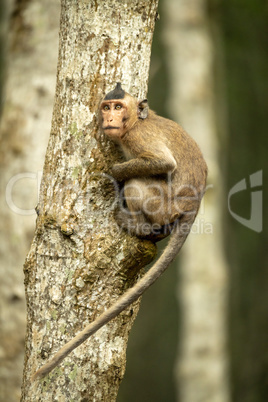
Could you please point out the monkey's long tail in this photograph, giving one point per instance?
(177, 238)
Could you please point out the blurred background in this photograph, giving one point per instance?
(202, 331)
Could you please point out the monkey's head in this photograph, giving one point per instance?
(120, 111)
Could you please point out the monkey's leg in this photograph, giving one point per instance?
(143, 228)
(141, 211)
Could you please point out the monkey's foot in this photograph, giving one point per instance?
(143, 229)
(125, 220)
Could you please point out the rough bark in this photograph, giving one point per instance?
(78, 263)
(32, 28)
(201, 368)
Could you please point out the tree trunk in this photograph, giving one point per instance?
(79, 263)
(32, 28)
(201, 368)
(246, 88)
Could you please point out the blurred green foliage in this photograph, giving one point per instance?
(244, 25)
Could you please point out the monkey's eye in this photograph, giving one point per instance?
(118, 107)
(106, 107)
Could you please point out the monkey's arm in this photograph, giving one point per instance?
(143, 166)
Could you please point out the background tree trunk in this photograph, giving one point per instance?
(245, 33)
(201, 366)
(32, 28)
(72, 272)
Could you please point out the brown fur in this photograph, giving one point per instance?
(164, 179)
(156, 147)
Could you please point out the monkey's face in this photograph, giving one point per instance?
(116, 118)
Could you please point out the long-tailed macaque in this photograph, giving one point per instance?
(164, 176)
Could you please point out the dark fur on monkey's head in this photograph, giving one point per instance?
(117, 93)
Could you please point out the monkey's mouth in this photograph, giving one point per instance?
(111, 128)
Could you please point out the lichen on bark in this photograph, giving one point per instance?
(79, 264)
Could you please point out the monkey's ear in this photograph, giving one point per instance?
(143, 109)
